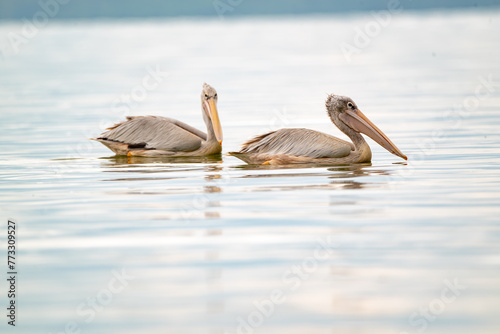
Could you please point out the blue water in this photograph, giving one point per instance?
(128, 245)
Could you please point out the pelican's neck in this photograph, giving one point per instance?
(211, 145)
(210, 128)
(361, 147)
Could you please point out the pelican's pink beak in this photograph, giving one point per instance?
(359, 122)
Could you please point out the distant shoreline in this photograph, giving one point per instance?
(149, 9)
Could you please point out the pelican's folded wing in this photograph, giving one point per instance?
(299, 142)
(155, 132)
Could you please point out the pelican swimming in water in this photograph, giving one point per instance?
(289, 146)
(156, 136)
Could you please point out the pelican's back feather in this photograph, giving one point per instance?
(155, 132)
(298, 142)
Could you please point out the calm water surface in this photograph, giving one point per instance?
(117, 245)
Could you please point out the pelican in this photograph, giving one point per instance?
(289, 146)
(156, 136)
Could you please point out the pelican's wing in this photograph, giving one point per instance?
(155, 132)
(299, 142)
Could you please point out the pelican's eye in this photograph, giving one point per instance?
(215, 95)
(206, 96)
(350, 105)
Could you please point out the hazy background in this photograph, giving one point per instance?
(206, 241)
(13, 9)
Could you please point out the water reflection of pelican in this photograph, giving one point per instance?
(128, 160)
(292, 146)
(343, 172)
(342, 177)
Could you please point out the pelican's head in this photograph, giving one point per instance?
(346, 115)
(209, 106)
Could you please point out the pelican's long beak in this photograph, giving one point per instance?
(211, 108)
(359, 122)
